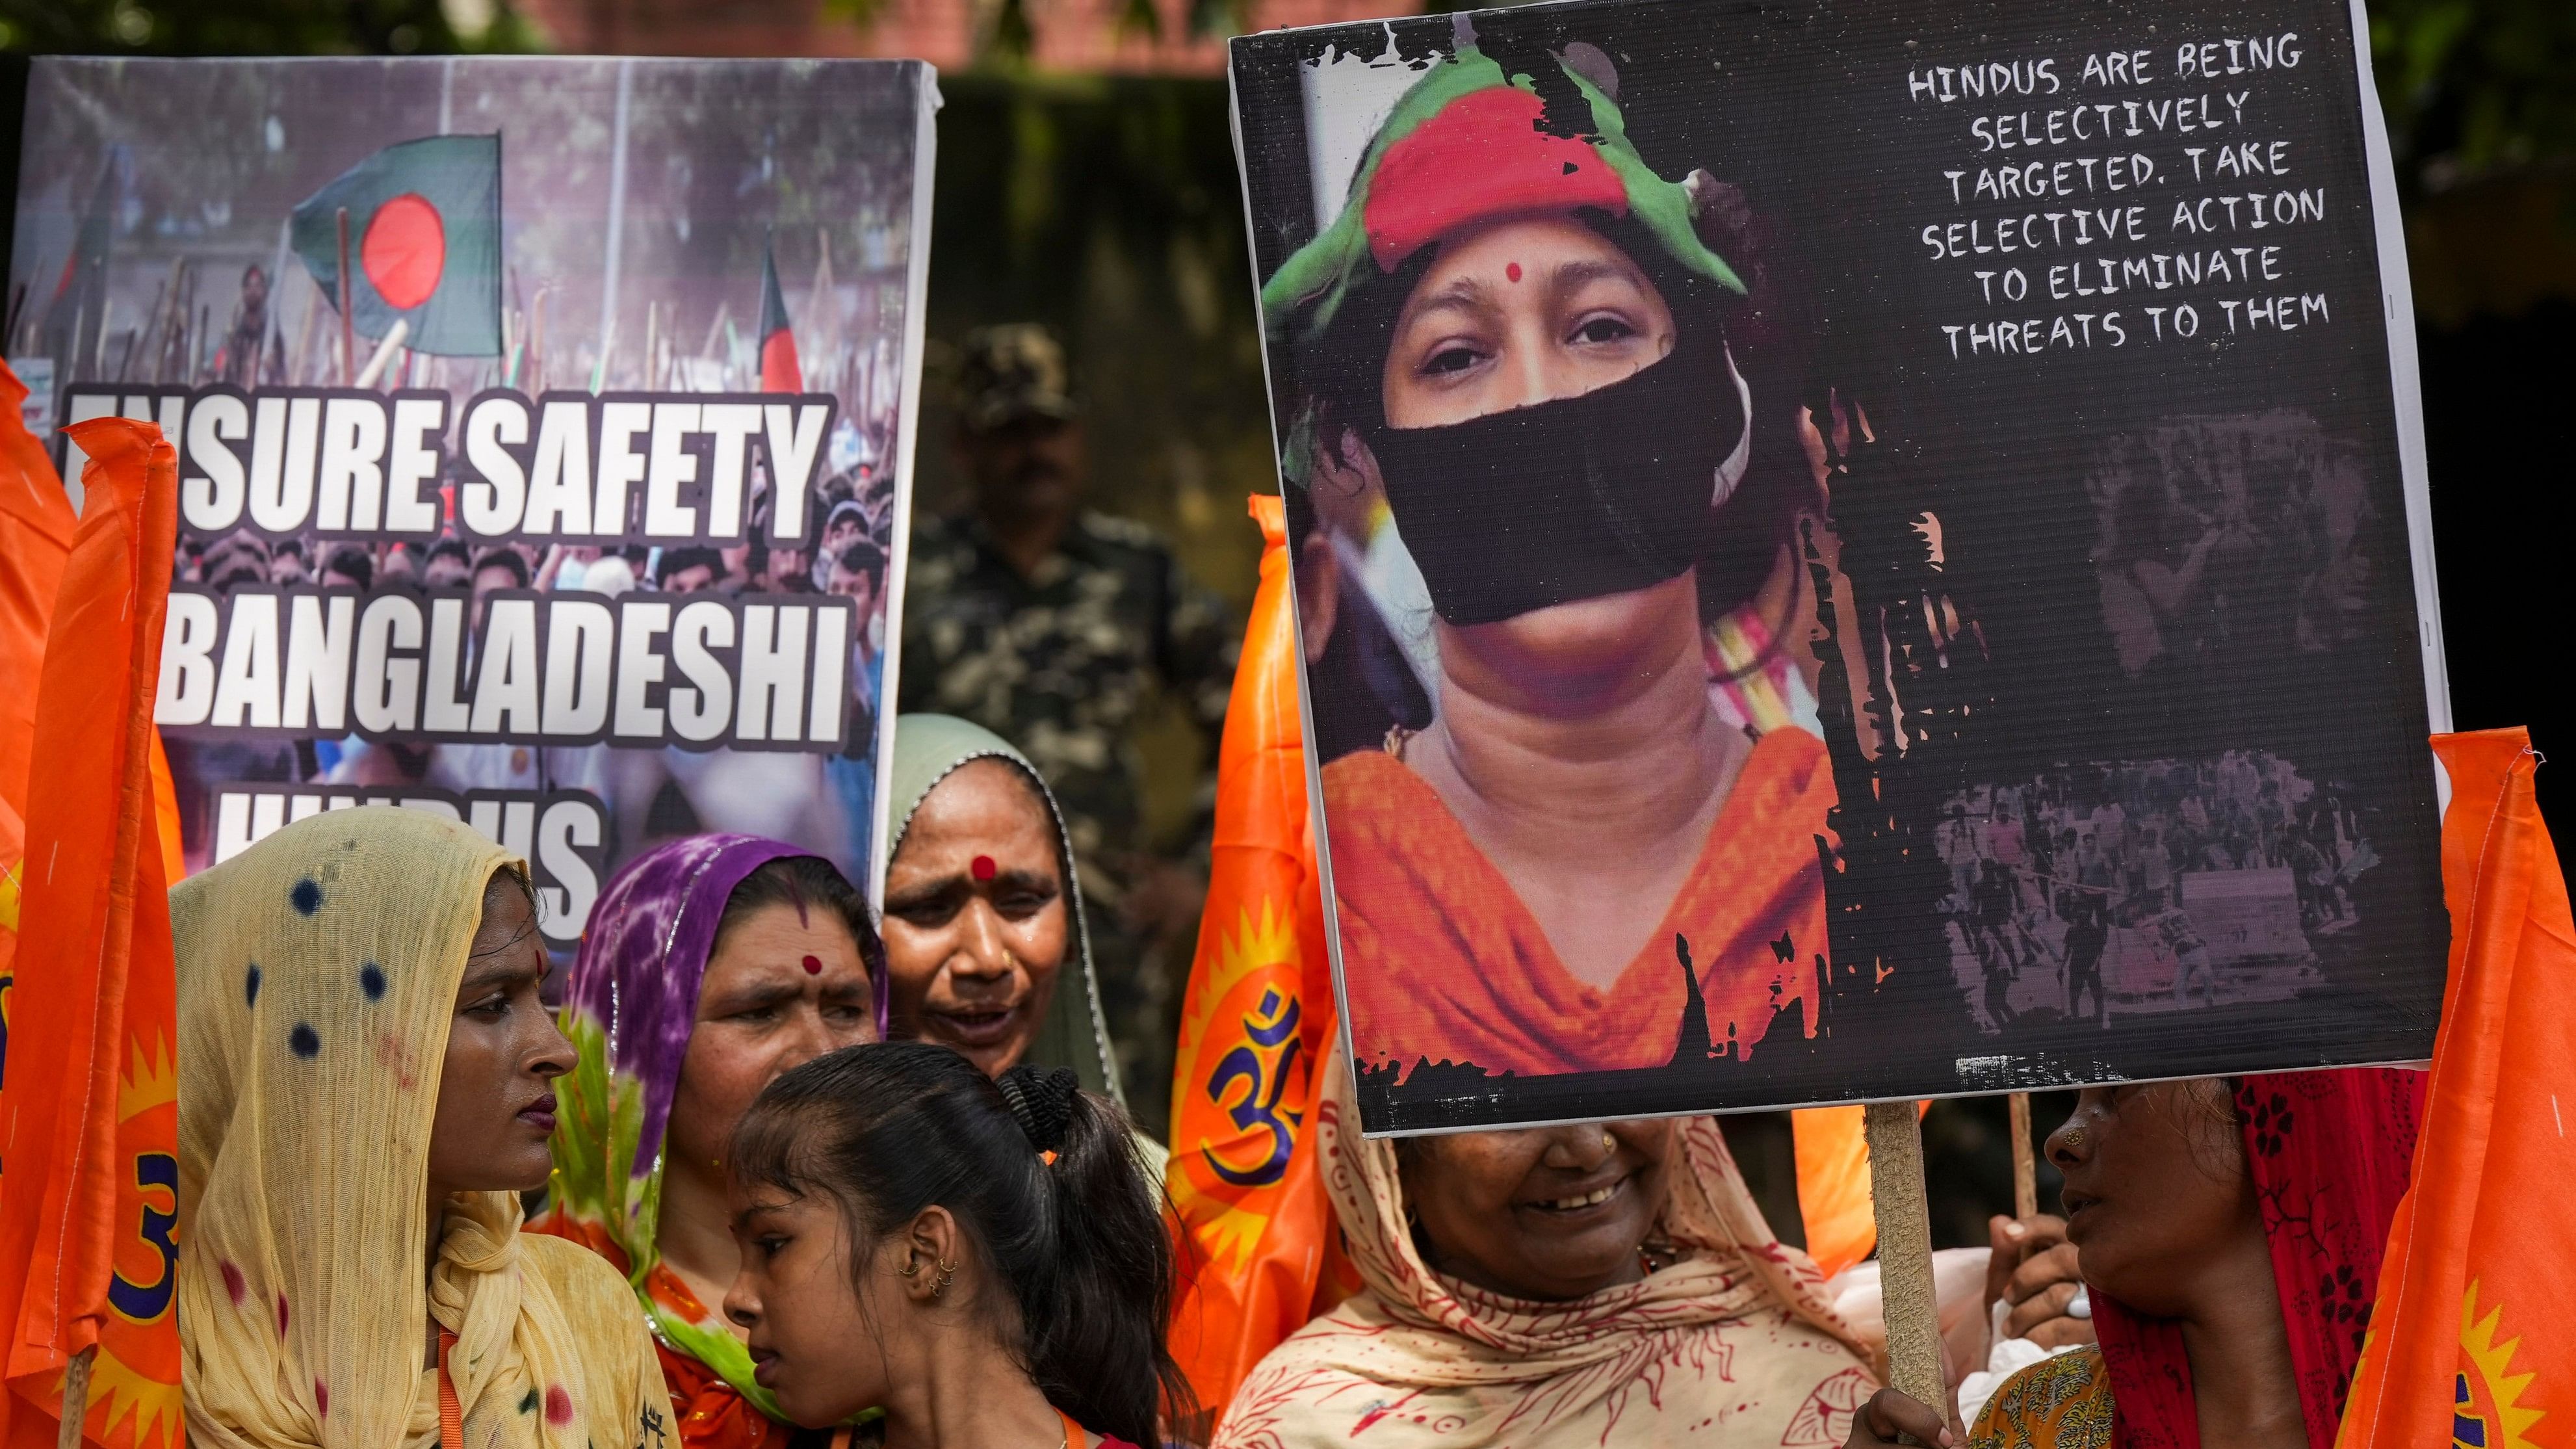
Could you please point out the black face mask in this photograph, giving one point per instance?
(1575, 498)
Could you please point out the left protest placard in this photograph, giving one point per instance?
(502, 494)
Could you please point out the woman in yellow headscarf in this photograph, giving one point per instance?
(366, 1085)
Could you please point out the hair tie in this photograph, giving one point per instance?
(1041, 1102)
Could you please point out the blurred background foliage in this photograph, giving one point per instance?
(2476, 87)
(263, 27)
(1107, 206)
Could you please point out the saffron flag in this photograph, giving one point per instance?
(1256, 1228)
(779, 369)
(1834, 1202)
(36, 524)
(2470, 1340)
(423, 246)
(89, 1171)
(1833, 1186)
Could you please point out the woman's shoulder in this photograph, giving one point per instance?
(2060, 1402)
(583, 1281)
(1789, 756)
(1376, 801)
(1313, 1386)
(1786, 782)
(1370, 780)
(564, 1227)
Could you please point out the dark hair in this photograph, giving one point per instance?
(517, 875)
(504, 558)
(866, 558)
(676, 559)
(808, 882)
(351, 562)
(1079, 1242)
(447, 548)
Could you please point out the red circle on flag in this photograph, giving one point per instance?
(404, 251)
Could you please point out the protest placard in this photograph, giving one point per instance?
(1851, 551)
(544, 430)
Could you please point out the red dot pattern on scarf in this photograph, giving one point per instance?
(281, 1315)
(322, 1398)
(558, 1405)
(234, 1287)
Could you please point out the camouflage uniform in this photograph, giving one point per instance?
(1061, 663)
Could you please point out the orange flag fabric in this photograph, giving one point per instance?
(36, 523)
(1833, 1184)
(1256, 1230)
(2470, 1341)
(88, 1166)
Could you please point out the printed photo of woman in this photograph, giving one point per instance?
(1601, 852)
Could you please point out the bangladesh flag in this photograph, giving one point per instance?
(779, 369)
(424, 243)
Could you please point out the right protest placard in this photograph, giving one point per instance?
(1850, 551)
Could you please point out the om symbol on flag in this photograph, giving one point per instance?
(1266, 1059)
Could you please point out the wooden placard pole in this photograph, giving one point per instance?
(2025, 1166)
(1895, 1132)
(75, 1407)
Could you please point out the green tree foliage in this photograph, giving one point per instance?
(261, 27)
(2475, 87)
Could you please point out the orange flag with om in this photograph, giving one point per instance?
(89, 1170)
(2471, 1344)
(1258, 1252)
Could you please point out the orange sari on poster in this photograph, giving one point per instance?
(1443, 962)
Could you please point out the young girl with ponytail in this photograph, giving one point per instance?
(983, 1260)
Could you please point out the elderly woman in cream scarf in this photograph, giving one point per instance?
(366, 1085)
(1609, 1284)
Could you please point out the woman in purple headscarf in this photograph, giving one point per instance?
(712, 964)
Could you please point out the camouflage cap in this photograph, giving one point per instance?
(1013, 371)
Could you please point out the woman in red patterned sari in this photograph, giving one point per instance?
(2228, 1234)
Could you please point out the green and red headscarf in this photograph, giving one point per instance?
(1469, 144)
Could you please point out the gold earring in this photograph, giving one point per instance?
(947, 1271)
(1609, 1143)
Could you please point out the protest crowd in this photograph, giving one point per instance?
(917, 1093)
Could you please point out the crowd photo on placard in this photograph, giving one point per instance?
(1760, 753)
(2140, 888)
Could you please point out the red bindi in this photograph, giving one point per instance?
(1513, 271)
(813, 965)
(982, 868)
